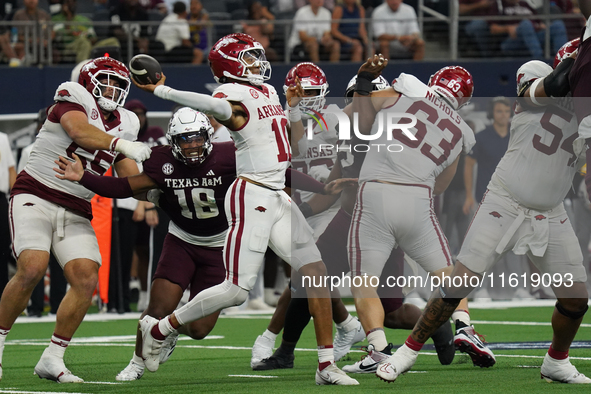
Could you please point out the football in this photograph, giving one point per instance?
(145, 69)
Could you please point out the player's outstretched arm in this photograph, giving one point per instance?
(365, 107)
(75, 123)
(102, 185)
(294, 95)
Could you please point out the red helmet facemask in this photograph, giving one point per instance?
(236, 56)
(454, 84)
(97, 77)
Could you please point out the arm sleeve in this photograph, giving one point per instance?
(299, 180)
(218, 108)
(106, 186)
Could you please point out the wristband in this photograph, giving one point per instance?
(113, 144)
(294, 114)
(532, 91)
(364, 84)
(306, 209)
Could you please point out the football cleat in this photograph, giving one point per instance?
(343, 340)
(133, 371)
(53, 368)
(278, 360)
(168, 346)
(561, 371)
(469, 341)
(397, 364)
(333, 375)
(150, 346)
(443, 339)
(262, 349)
(369, 363)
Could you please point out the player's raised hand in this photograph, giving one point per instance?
(69, 170)
(134, 150)
(374, 65)
(294, 93)
(337, 186)
(149, 87)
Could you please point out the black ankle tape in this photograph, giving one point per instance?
(569, 314)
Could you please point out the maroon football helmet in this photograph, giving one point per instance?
(105, 67)
(454, 84)
(233, 56)
(566, 50)
(311, 78)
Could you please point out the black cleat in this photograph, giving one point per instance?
(443, 339)
(276, 361)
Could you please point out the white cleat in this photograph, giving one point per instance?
(333, 375)
(53, 368)
(168, 346)
(561, 371)
(133, 371)
(369, 363)
(150, 346)
(343, 340)
(262, 349)
(397, 364)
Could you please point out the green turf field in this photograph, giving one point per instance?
(221, 364)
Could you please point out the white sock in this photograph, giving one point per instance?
(325, 354)
(348, 324)
(377, 338)
(57, 346)
(165, 327)
(137, 360)
(461, 315)
(3, 334)
(269, 335)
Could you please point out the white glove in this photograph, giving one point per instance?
(137, 151)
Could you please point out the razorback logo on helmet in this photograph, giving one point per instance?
(495, 214)
(566, 50)
(220, 95)
(540, 217)
(63, 93)
(225, 41)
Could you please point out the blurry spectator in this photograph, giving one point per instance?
(311, 31)
(396, 29)
(353, 36)
(198, 19)
(7, 179)
(328, 4)
(74, 34)
(174, 33)
(30, 12)
(258, 27)
(478, 30)
(281, 6)
(491, 145)
(155, 5)
(132, 11)
(220, 132)
(573, 26)
(524, 36)
(7, 8)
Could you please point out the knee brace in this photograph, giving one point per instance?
(570, 314)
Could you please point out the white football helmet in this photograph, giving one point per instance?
(530, 71)
(189, 125)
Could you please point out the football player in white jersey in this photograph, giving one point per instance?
(259, 212)
(395, 199)
(523, 211)
(88, 119)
